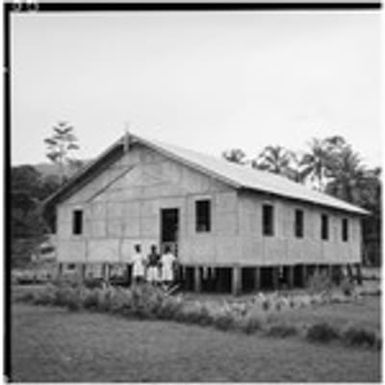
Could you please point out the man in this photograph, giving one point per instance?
(153, 266)
(138, 265)
(168, 263)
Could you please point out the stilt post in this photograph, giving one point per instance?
(358, 274)
(197, 279)
(275, 274)
(290, 276)
(236, 281)
(59, 270)
(304, 272)
(257, 278)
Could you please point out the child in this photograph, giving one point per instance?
(138, 265)
(153, 266)
(168, 261)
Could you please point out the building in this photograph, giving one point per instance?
(232, 227)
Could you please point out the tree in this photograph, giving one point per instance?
(25, 191)
(347, 175)
(316, 163)
(235, 155)
(278, 160)
(60, 145)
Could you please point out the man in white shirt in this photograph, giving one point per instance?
(138, 265)
(167, 262)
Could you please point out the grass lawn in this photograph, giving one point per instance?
(365, 313)
(51, 344)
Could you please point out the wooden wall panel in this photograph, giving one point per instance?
(71, 251)
(150, 227)
(203, 250)
(103, 250)
(122, 207)
(284, 247)
(226, 224)
(131, 229)
(115, 228)
(274, 251)
(97, 229)
(252, 251)
(227, 250)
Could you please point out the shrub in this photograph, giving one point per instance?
(249, 324)
(47, 296)
(68, 297)
(28, 297)
(92, 283)
(121, 302)
(321, 332)
(266, 305)
(196, 313)
(224, 319)
(347, 287)
(90, 300)
(281, 330)
(359, 336)
(169, 308)
(319, 282)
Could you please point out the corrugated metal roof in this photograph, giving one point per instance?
(242, 176)
(239, 176)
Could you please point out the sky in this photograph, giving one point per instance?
(202, 80)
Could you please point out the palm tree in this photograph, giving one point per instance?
(316, 163)
(235, 155)
(348, 176)
(275, 159)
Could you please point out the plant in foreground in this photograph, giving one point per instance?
(321, 332)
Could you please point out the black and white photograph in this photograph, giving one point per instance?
(194, 192)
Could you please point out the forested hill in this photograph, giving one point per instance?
(47, 169)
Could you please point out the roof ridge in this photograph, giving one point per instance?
(236, 175)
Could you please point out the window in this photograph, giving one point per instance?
(324, 227)
(268, 220)
(202, 213)
(77, 222)
(345, 230)
(298, 227)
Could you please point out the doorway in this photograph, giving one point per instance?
(169, 228)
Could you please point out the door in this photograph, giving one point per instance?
(169, 227)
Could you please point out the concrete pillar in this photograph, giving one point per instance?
(104, 271)
(349, 272)
(290, 276)
(257, 278)
(197, 280)
(82, 271)
(330, 271)
(128, 275)
(275, 274)
(59, 270)
(304, 274)
(218, 280)
(236, 281)
(358, 274)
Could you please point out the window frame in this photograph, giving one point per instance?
(268, 223)
(324, 227)
(299, 227)
(77, 222)
(203, 225)
(345, 230)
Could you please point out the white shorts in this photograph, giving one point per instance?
(167, 275)
(153, 274)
